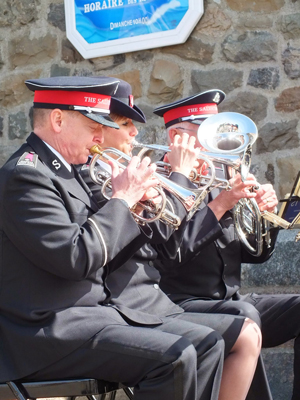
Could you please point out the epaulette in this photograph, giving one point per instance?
(28, 158)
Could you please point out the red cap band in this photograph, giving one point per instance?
(73, 98)
(186, 111)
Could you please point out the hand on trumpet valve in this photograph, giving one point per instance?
(243, 188)
(131, 183)
(183, 154)
(202, 168)
(227, 199)
(266, 198)
(149, 202)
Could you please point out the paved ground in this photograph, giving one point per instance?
(121, 395)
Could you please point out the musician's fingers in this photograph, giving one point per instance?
(270, 205)
(154, 200)
(182, 139)
(114, 168)
(270, 199)
(246, 193)
(239, 184)
(197, 165)
(192, 142)
(251, 184)
(150, 171)
(140, 164)
(204, 169)
(266, 195)
(151, 193)
(177, 139)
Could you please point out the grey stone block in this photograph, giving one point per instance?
(279, 367)
(280, 274)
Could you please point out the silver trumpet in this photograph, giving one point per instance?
(190, 199)
(165, 169)
(240, 163)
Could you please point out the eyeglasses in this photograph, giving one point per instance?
(187, 129)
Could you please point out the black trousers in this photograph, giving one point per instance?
(180, 360)
(279, 319)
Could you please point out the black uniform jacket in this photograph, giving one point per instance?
(136, 284)
(208, 263)
(55, 247)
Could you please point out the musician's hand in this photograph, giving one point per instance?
(152, 195)
(203, 168)
(183, 154)
(266, 198)
(131, 183)
(227, 199)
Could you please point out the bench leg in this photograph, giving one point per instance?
(129, 392)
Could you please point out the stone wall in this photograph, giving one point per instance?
(251, 50)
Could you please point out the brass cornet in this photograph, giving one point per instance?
(190, 199)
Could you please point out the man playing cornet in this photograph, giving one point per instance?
(206, 275)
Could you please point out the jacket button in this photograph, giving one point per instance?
(151, 263)
(156, 286)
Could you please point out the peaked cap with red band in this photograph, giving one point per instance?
(91, 96)
(192, 109)
(122, 103)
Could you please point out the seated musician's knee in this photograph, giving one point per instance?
(249, 341)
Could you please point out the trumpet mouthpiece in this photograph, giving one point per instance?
(135, 143)
(96, 149)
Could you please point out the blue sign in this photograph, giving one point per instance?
(100, 24)
(116, 19)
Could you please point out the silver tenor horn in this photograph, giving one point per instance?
(233, 134)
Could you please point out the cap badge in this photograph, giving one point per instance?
(217, 98)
